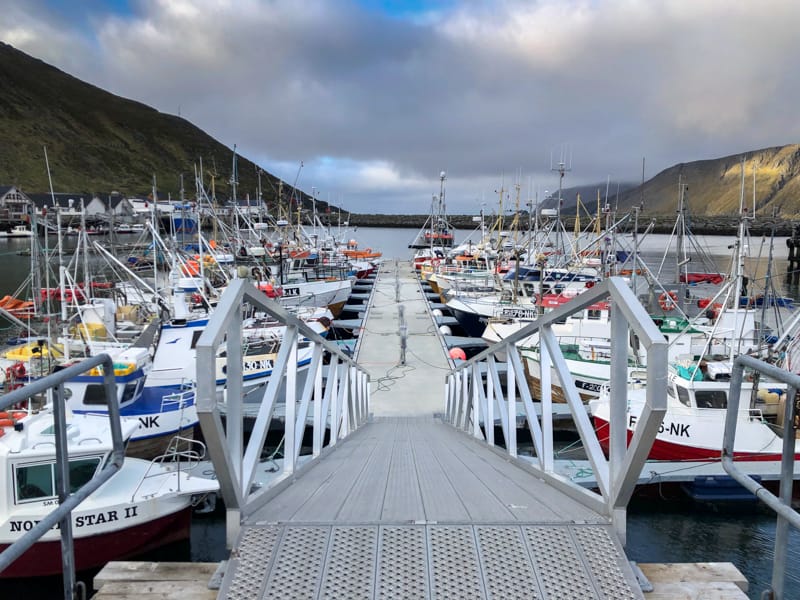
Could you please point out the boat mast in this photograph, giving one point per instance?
(741, 251)
(681, 260)
(46, 248)
(562, 169)
(155, 229)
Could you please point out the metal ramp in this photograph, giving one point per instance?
(416, 506)
(413, 508)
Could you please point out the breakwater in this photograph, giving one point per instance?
(702, 225)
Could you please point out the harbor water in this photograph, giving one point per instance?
(660, 527)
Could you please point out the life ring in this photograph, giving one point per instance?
(668, 300)
(435, 262)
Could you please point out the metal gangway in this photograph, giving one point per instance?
(427, 504)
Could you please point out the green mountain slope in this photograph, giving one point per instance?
(98, 142)
(715, 186)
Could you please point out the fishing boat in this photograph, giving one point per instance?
(519, 298)
(18, 231)
(437, 231)
(694, 424)
(143, 506)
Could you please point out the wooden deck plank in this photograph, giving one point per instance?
(122, 570)
(704, 572)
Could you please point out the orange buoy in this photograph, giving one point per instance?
(457, 354)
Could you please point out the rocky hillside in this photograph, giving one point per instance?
(714, 187)
(99, 142)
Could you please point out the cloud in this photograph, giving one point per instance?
(377, 97)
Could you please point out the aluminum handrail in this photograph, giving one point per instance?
(342, 403)
(470, 399)
(68, 501)
(781, 504)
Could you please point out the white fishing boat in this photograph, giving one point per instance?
(694, 424)
(18, 231)
(143, 506)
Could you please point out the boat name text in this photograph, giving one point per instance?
(676, 429)
(108, 516)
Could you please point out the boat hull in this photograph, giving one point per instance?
(666, 449)
(44, 557)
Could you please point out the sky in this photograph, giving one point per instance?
(375, 98)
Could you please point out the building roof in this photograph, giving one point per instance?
(69, 200)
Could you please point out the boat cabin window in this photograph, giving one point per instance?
(96, 393)
(594, 314)
(35, 482)
(196, 336)
(683, 396)
(711, 398)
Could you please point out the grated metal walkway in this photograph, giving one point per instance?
(412, 508)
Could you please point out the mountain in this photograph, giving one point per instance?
(714, 187)
(99, 142)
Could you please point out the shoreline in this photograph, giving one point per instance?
(702, 225)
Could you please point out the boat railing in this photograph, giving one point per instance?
(68, 500)
(782, 503)
(182, 455)
(331, 394)
(481, 391)
(178, 400)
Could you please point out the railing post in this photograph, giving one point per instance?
(476, 405)
(489, 406)
(545, 383)
(465, 384)
(448, 398)
(618, 411)
(290, 406)
(457, 377)
(65, 524)
(511, 398)
(344, 391)
(233, 385)
(319, 417)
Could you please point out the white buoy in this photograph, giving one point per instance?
(436, 312)
(445, 330)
